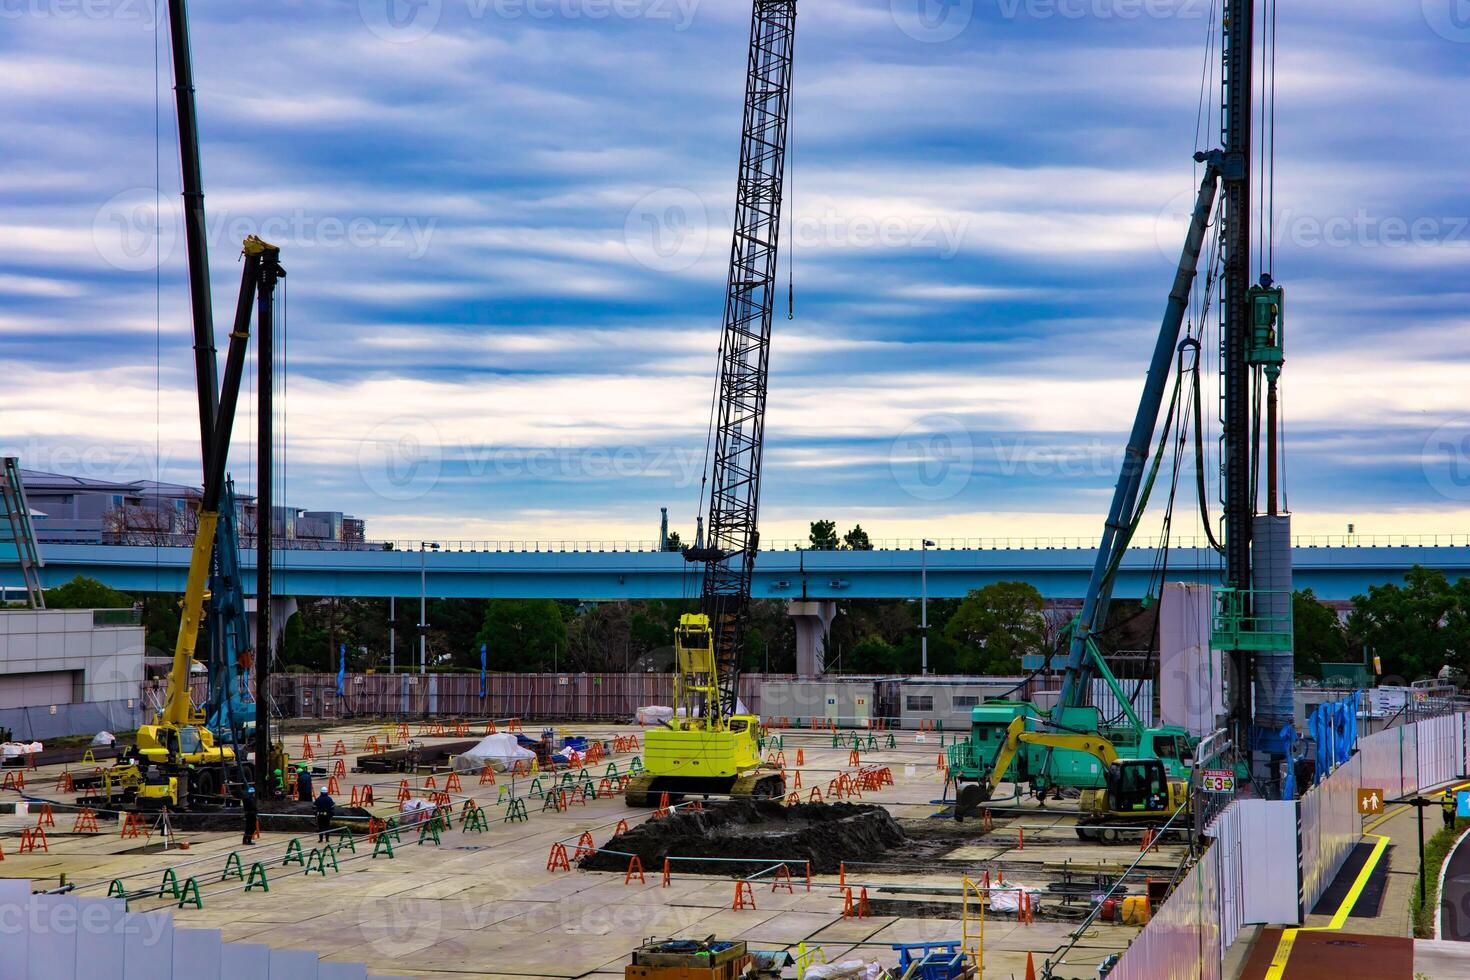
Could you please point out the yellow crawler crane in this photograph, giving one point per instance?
(700, 750)
(713, 746)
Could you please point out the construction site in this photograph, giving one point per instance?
(1134, 770)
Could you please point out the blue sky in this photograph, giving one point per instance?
(505, 225)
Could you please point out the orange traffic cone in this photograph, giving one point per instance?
(1030, 967)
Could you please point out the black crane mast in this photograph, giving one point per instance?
(732, 538)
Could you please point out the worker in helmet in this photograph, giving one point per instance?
(1447, 807)
(324, 806)
(279, 786)
(303, 784)
(252, 815)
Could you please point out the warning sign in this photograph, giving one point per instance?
(1370, 801)
(1218, 781)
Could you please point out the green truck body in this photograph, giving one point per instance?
(1043, 767)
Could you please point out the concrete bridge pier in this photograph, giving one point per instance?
(283, 607)
(813, 619)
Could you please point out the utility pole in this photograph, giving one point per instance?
(424, 547)
(924, 546)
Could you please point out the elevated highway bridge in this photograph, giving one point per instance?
(1333, 567)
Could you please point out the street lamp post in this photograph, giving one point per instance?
(424, 547)
(924, 546)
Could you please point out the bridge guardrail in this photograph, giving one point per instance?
(570, 545)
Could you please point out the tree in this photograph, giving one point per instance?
(673, 542)
(1319, 635)
(523, 634)
(1415, 628)
(997, 625)
(857, 539)
(871, 655)
(87, 593)
(824, 535)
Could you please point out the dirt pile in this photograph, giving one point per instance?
(826, 834)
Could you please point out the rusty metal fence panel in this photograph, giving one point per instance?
(540, 696)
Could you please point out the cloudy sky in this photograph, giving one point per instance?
(505, 224)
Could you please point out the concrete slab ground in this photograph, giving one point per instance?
(483, 905)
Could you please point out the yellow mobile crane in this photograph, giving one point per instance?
(708, 747)
(177, 763)
(1135, 791)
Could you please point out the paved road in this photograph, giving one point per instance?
(1454, 900)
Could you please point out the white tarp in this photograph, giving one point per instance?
(414, 810)
(500, 751)
(10, 750)
(655, 714)
(1007, 897)
(845, 970)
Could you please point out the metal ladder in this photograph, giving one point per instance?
(16, 532)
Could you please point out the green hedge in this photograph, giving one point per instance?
(1436, 849)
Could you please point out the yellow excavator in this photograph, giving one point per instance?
(1135, 791)
(701, 749)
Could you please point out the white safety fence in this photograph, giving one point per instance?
(68, 937)
(1266, 867)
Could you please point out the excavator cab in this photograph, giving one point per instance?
(1137, 786)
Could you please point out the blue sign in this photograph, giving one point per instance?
(1462, 803)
